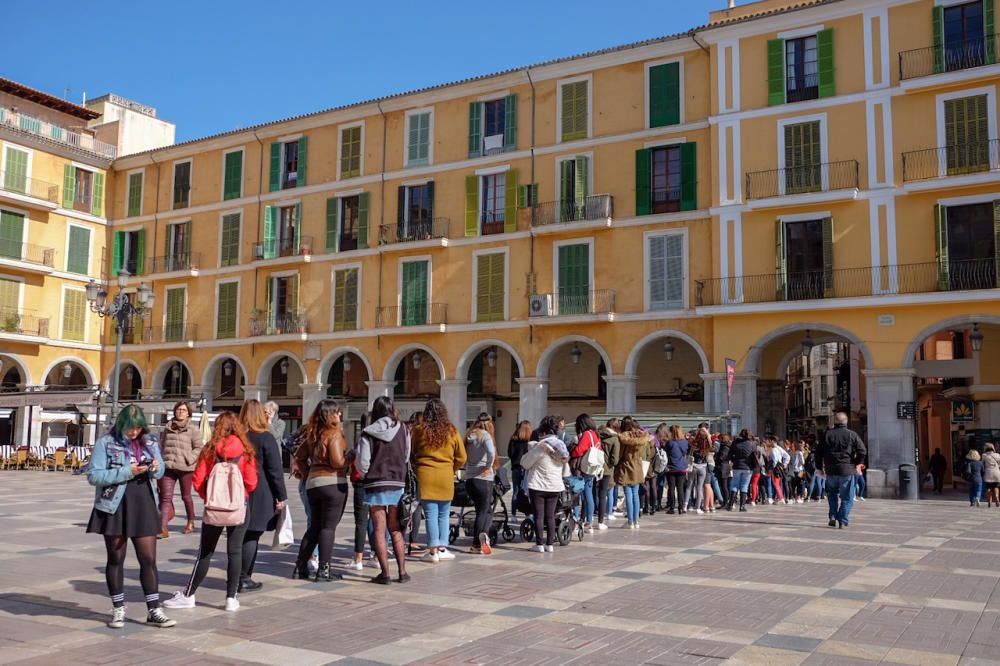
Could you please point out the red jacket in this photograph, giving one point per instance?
(587, 441)
(229, 448)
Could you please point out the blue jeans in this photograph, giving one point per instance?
(975, 491)
(632, 502)
(612, 499)
(840, 495)
(862, 485)
(588, 498)
(817, 486)
(741, 481)
(516, 476)
(769, 482)
(436, 513)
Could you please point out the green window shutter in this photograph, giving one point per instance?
(574, 279)
(825, 63)
(475, 129)
(11, 235)
(989, 30)
(15, 177)
(574, 111)
(300, 178)
(689, 176)
(510, 123)
(97, 201)
(270, 232)
(140, 252)
(497, 294)
(231, 239)
(581, 189)
(524, 196)
(828, 280)
(566, 184)
(78, 256)
(10, 291)
(414, 297)
(225, 321)
(275, 171)
(332, 224)
(418, 140)
(643, 182)
(350, 152)
(363, 220)
(345, 298)
(272, 284)
(937, 27)
(187, 240)
(780, 265)
(69, 185)
(74, 315)
(665, 94)
(400, 208)
(232, 187)
(775, 72)
(489, 287)
(510, 201)
(117, 253)
(297, 229)
(472, 205)
(174, 330)
(135, 195)
(941, 253)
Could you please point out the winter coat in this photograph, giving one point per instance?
(547, 474)
(612, 451)
(324, 458)
(181, 445)
(677, 450)
(228, 448)
(742, 455)
(840, 452)
(636, 446)
(723, 464)
(272, 490)
(516, 448)
(435, 466)
(973, 468)
(384, 455)
(991, 467)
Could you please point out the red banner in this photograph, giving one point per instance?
(730, 375)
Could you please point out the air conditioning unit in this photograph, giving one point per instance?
(258, 251)
(540, 305)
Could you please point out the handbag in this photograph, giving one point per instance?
(645, 468)
(533, 455)
(283, 534)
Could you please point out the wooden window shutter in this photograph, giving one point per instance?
(140, 252)
(941, 251)
(175, 314)
(574, 111)
(270, 240)
(69, 185)
(400, 208)
(233, 175)
(566, 183)
(293, 294)
(657, 273)
(689, 176)
(297, 230)
(673, 255)
(643, 182)
(581, 185)
(989, 30)
(226, 316)
(937, 27)
(135, 195)
(775, 72)
(117, 252)
(11, 235)
(780, 265)
(363, 220)
(97, 201)
(510, 123)
(483, 312)
(345, 312)
(231, 239)
(574, 278)
(15, 178)
(665, 94)
(300, 173)
(275, 171)
(472, 205)
(825, 63)
(475, 129)
(332, 224)
(510, 201)
(430, 199)
(828, 274)
(74, 315)
(78, 257)
(272, 285)
(9, 297)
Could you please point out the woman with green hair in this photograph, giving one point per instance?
(124, 468)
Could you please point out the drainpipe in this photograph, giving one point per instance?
(694, 36)
(385, 130)
(534, 212)
(156, 219)
(260, 189)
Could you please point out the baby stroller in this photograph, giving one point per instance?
(567, 509)
(465, 517)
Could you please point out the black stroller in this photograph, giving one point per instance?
(465, 516)
(567, 510)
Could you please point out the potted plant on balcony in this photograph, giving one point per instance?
(300, 321)
(12, 322)
(257, 321)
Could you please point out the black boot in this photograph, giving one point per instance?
(324, 575)
(743, 501)
(731, 504)
(301, 571)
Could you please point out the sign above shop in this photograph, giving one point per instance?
(963, 410)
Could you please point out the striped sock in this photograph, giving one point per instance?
(118, 600)
(153, 600)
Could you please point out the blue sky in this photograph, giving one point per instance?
(213, 66)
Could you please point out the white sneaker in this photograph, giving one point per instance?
(863, 499)
(699, 512)
(430, 557)
(617, 514)
(770, 500)
(117, 620)
(179, 600)
(628, 526)
(538, 548)
(356, 566)
(589, 528)
(232, 604)
(636, 526)
(799, 500)
(602, 526)
(445, 554)
(611, 517)
(550, 549)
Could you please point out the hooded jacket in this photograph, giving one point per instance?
(547, 474)
(612, 450)
(840, 451)
(636, 446)
(181, 445)
(384, 455)
(228, 448)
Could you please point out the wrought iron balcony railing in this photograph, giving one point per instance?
(23, 322)
(185, 261)
(824, 177)
(19, 183)
(572, 302)
(414, 230)
(279, 325)
(138, 333)
(411, 314)
(957, 160)
(594, 207)
(37, 126)
(949, 57)
(27, 252)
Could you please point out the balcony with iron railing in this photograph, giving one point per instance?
(17, 183)
(573, 302)
(285, 324)
(957, 160)
(38, 127)
(413, 231)
(40, 257)
(950, 57)
(810, 179)
(920, 278)
(411, 314)
(183, 261)
(182, 333)
(301, 246)
(492, 221)
(16, 324)
(594, 207)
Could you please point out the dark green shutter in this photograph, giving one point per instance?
(475, 129)
(472, 205)
(430, 200)
(527, 195)
(643, 182)
(825, 63)
(233, 178)
(989, 30)
(345, 295)
(78, 256)
(574, 111)
(332, 226)
(941, 251)
(510, 201)
(775, 72)
(828, 285)
(780, 264)
(581, 186)
(300, 177)
(174, 330)
(297, 230)
(231, 239)
(566, 182)
(665, 94)
(510, 123)
(15, 178)
(574, 278)
(414, 297)
(11, 235)
(135, 195)
(362, 220)
(140, 252)
(270, 240)
(226, 315)
(489, 287)
(275, 167)
(689, 176)
(400, 208)
(937, 27)
(69, 185)
(117, 252)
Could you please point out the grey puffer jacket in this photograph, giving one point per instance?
(181, 444)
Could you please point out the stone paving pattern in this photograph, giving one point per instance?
(907, 583)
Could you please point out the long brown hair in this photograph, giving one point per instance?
(523, 432)
(319, 428)
(436, 429)
(252, 416)
(226, 424)
(702, 442)
(483, 422)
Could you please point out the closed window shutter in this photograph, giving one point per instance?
(226, 318)
(566, 184)
(297, 229)
(775, 72)
(475, 129)
(937, 27)
(345, 310)
(275, 170)
(117, 252)
(689, 176)
(270, 232)
(363, 220)
(581, 186)
(182, 185)
(140, 252)
(11, 234)
(574, 111)
(989, 30)
(272, 286)
(665, 94)
(657, 273)
(332, 224)
(574, 278)
(175, 315)
(97, 201)
(643, 184)
(74, 315)
(414, 293)
(780, 265)
(69, 185)
(489, 287)
(472, 205)
(300, 173)
(941, 251)
(828, 275)
(78, 257)
(510, 123)
(674, 258)
(231, 239)
(825, 63)
(15, 177)
(293, 295)
(233, 185)
(10, 295)
(135, 195)
(510, 201)
(350, 152)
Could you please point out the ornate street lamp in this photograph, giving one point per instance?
(491, 357)
(575, 355)
(121, 309)
(668, 350)
(976, 338)
(347, 363)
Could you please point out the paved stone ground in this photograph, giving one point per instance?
(911, 583)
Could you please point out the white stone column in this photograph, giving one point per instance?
(715, 392)
(254, 392)
(312, 395)
(621, 394)
(744, 400)
(453, 394)
(891, 441)
(378, 389)
(534, 399)
(197, 392)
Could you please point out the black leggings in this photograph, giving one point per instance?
(234, 552)
(360, 520)
(114, 572)
(650, 503)
(481, 493)
(326, 503)
(602, 487)
(250, 542)
(544, 502)
(676, 497)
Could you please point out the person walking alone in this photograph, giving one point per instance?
(181, 445)
(939, 464)
(838, 455)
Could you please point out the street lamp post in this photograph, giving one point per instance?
(121, 309)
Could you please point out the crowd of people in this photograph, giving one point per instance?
(402, 475)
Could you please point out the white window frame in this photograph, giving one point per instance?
(20, 291)
(184, 319)
(28, 166)
(429, 110)
(491, 97)
(167, 230)
(824, 147)
(243, 164)
(484, 173)
(340, 149)
(685, 258)
(991, 116)
(142, 188)
(239, 295)
(399, 283)
(505, 251)
(222, 216)
(274, 295)
(90, 245)
(589, 241)
(590, 171)
(62, 312)
(333, 291)
(590, 105)
(406, 201)
(173, 183)
(646, 96)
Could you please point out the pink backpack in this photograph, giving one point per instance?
(225, 496)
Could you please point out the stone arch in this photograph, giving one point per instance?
(953, 322)
(208, 377)
(545, 360)
(77, 361)
(389, 371)
(161, 371)
(755, 355)
(334, 354)
(633, 356)
(21, 367)
(263, 376)
(124, 363)
(462, 371)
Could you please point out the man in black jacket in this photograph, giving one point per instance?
(838, 455)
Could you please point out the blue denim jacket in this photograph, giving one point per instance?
(110, 468)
